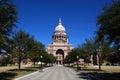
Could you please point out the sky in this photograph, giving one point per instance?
(40, 17)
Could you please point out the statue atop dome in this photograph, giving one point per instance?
(60, 22)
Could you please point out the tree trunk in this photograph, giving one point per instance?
(34, 63)
(99, 63)
(19, 63)
(84, 64)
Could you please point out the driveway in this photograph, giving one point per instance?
(56, 73)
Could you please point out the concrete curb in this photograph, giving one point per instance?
(29, 74)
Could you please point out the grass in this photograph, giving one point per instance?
(11, 72)
(6, 68)
(106, 73)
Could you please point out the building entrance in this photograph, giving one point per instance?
(59, 56)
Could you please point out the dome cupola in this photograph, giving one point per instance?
(60, 27)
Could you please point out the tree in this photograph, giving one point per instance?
(52, 58)
(91, 45)
(20, 46)
(72, 56)
(109, 25)
(35, 50)
(47, 58)
(6, 60)
(8, 18)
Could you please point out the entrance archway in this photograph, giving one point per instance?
(59, 56)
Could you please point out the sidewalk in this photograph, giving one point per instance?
(30, 74)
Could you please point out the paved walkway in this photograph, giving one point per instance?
(56, 73)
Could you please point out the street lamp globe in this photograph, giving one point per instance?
(77, 57)
(41, 57)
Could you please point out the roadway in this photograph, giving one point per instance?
(56, 73)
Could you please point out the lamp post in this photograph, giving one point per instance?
(99, 52)
(41, 62)
(77, 61)
(69, 62)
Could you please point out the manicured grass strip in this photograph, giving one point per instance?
(24, 71)
(12, 73)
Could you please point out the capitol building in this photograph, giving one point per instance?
(59, 46)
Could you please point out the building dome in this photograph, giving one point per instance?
(60, 35)
(60, 27)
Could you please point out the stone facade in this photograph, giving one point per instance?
(59, 46)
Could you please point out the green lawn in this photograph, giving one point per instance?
(106, 73)
(11, 72)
